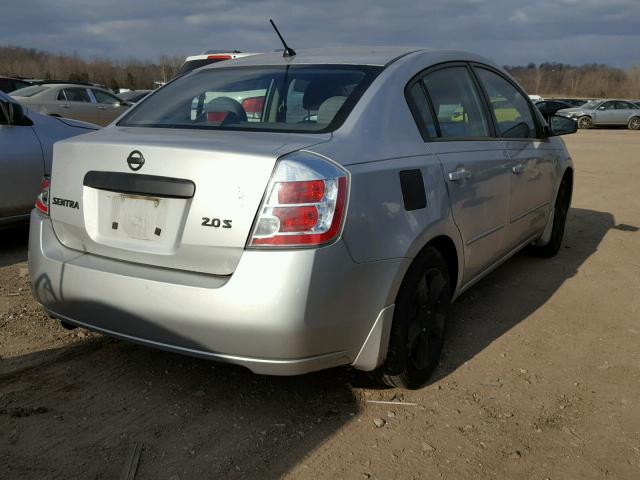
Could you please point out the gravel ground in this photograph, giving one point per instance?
(540, 377)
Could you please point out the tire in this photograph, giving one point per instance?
(561, 208)
(585, 122)
(419, 320)
(634, 123)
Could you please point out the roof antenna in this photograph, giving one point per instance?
(288, 51)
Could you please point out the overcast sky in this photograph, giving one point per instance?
(508, 31)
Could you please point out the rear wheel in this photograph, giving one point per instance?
(560, 211)
(585, 122)
(417, 333)
(634, 123)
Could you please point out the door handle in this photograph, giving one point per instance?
(459, 174)
(517, 169)
(102, 108)
(64, 106)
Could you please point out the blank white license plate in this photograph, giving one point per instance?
(139, 217)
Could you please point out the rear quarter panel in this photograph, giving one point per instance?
(378, 140)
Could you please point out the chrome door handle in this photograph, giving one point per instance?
(64, 106)
(459, 174)
(518, 168)
(102, 108)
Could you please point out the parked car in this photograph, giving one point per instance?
(602, 113)
(9, 84)
(72, 100)
(209, 57)
(134, 96)
(333, 232)
(26, 140)
(550, 107)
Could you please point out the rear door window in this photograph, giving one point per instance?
(74, 95)
(510, 107)
(623, 106)
(456, 103)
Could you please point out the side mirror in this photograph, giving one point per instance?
(560, 125)
(602, 108)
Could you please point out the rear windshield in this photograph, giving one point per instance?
(309, 98)
(28, 91)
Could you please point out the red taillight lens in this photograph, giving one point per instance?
(296, 219)
(216, 117)
(219, 57)
(253, 104)
(310, 191)
(305, 203)
(42, 201)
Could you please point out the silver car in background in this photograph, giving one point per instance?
(367, 189)
(80, 102)
(26, 148)
(602, 113)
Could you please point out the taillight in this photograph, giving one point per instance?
(253, 106)
(42, 200)
(216, 117)
(304, 205)
(219, 57)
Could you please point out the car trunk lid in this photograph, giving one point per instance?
(187, 201)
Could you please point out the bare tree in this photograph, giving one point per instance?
(131, 73)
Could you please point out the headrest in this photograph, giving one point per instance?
(225, 105)
(318, 91)
(328, 109)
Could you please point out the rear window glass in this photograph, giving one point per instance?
(28, 91)
(289, 98)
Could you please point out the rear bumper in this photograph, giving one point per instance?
(281, 312)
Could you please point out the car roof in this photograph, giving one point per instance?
(375, 55)
(68, 85)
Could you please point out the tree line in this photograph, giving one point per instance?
(586, 81)
(132, 74)
(547, 79)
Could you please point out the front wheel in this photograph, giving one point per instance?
(585, 122)
(417, 332)
(634, 123)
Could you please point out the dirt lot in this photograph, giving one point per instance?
(541, 377)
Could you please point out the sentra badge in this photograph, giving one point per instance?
(63, 202)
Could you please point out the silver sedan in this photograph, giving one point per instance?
(602, 113)
(295, 213)
(80, 102)
(26, 144)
